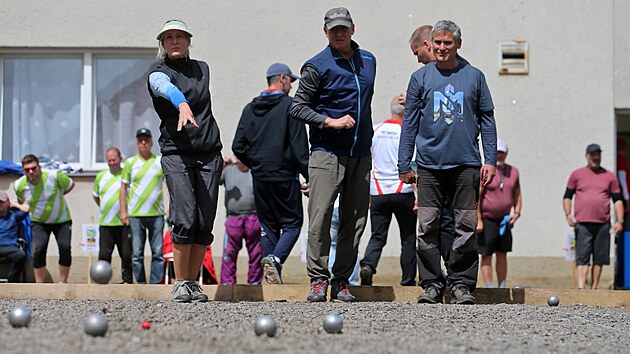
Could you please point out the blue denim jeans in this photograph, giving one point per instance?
(155, 227)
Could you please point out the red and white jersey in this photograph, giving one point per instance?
(385, 160)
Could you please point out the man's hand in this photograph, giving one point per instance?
(479, 228)
(185, 116)
(415, 206)
(514, 217)
(345, 122)
(407, 177)
(400, 99)
(618, 227)
(570, 220)
(124, 218)
(487, 174)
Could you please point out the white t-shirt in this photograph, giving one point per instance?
(385, 160)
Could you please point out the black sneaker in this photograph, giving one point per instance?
(319, 288)
(366, 275)
(339, 291)
(196, 293)
(461, 296)
(431, 295)
(272, 270)
(181, 292)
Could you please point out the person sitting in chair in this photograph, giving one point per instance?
(11, 214)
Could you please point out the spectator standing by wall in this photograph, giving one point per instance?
(44, 192)
(593, 187)
(495, 217)
(241, 223)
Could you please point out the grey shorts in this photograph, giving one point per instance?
(193, 187)
(592, 239)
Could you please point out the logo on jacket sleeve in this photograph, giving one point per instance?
(449, 105)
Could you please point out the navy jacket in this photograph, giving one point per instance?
(346, 86)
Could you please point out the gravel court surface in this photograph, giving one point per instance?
(369, 327)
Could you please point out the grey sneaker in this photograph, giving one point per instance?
(196, 293)
(431, 295)
(319, 288)
(461, 296)
(181, 292)
(339, 291)
(272, 270)
(366, 275)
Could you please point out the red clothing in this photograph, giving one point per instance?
(623, 172)
(593, 190)
(498, 202)
(209, 276)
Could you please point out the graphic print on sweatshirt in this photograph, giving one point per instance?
(448, 105)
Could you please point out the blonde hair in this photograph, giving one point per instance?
(161, 54)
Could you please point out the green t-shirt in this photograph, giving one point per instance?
(107, 189)
(144, 178)
(48, 206)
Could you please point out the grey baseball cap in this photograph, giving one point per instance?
(339, 16)
(592, 148)
(281, 69)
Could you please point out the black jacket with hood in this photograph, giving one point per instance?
(269, 142)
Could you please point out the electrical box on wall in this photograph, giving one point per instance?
(514, 58)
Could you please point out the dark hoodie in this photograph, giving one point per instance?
(269, 142)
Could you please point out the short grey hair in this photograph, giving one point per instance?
(447, 26)
(396, 108)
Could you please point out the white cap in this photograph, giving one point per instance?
(173, 25)
(502, 145)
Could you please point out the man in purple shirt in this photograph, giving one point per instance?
(593, 187)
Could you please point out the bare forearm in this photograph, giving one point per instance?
(619, 210)
(566, 205)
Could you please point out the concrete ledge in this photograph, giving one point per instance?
(608, 298)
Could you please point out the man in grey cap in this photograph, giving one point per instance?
(275, 148)
(11, 215)
(593, 187)
(334, 98)
(143, 210)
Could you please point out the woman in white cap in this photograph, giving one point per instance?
(191, 153)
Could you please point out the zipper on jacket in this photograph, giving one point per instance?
(356, 131)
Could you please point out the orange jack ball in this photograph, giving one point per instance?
(146, 325)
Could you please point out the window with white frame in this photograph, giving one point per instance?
(72, 107)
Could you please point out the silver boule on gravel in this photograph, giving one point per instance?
(333, 323)
(20, 316)
(101, 272)
(553, 300)
(265, 325)
(95, 325)
(304, 186)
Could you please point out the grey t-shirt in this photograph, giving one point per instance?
(445, 111)
(239, 191)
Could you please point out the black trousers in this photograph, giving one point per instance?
(119, 236)
(461, 185)
(17, 257)
(381, 209)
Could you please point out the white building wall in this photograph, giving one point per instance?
(548, 117)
